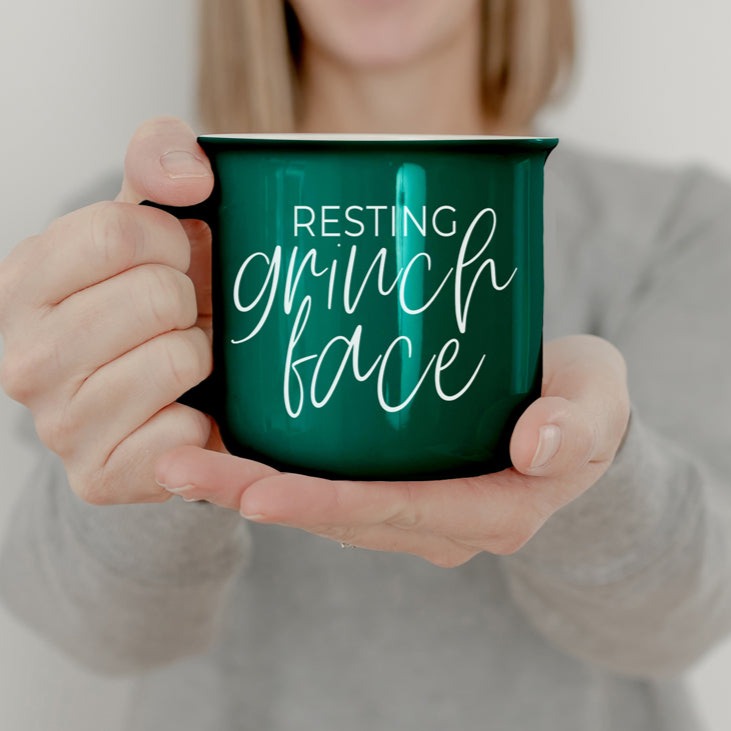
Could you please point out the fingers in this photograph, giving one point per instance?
(567, 439)
(216, 477)
(87, 247)
(98, 242)
(488, 513)
(165, 164)
(440, 520)
(126, 475)
(582, 415)
(163, 301)
(99, 315)
(346, 512)
(117, 398)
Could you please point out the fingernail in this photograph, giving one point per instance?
(549, 441)
(178, 490)
(254, 517)
(180, 164)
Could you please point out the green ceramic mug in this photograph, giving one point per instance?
(377, 300)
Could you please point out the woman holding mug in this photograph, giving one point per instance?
(581, 581)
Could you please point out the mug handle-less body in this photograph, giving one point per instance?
(249, 391)
(200, 397)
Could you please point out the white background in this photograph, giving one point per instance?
(76, 78)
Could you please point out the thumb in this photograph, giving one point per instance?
(582, 414)
(165, 164)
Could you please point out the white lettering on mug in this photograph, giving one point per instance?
(375, 221)
(462, 305)
(263, 276)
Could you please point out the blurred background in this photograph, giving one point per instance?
(77, 77)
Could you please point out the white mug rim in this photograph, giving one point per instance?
(348, 137)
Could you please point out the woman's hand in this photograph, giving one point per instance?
(103, 317)
(560, 447)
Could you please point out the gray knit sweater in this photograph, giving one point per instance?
(229, 626)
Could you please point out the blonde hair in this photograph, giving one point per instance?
(249, 54)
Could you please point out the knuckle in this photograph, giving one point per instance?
(21, 372)
(170, 298)
(193, 427)
(160, 126)
(103, 478)
(58, 429)
(187, 358)
(12, 270)
(12, 379)
(116, 235)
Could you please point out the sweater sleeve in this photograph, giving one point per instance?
(635, 575)
(121, 588)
